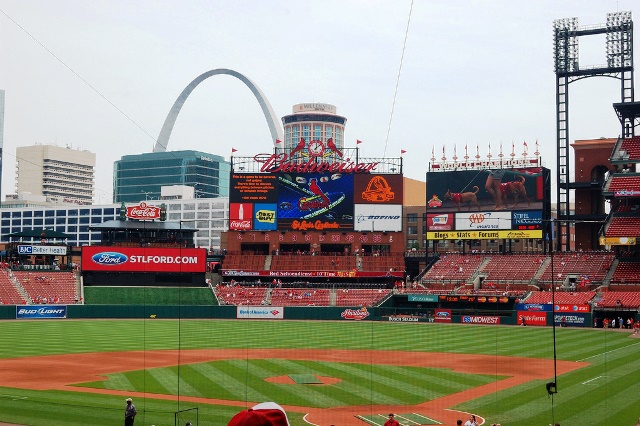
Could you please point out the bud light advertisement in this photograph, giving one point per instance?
(41, 311)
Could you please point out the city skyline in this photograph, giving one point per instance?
(102, 77)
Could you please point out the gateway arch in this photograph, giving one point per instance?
(170, 121)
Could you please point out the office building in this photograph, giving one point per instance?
(140, 177)
(60, 174)
(209, 216)
(1, 135)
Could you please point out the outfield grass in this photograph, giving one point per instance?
(604, 393)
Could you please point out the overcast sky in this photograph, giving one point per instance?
(102, 75)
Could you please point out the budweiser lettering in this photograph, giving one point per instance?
(275, 163)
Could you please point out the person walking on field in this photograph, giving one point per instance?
(129, 413)
(392, 421)
(472, 421)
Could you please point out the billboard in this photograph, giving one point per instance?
(143, 259)
(50, 250)
(259, 312)
(253, 188)
(378, 189)
(312, 197)
(469, 204)
(371, 217)
(41, 312)
(303, 198)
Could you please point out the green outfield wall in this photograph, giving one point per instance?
(389, 313)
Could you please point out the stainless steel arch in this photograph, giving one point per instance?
(170, 121)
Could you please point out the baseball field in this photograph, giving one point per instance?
(79, 372)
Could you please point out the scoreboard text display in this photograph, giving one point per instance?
(488, 204)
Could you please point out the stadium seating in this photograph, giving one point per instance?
(300, 297)
(623, 226)
(568, 298)
(626, 273)
(49, 287)
(9, 294)
(237, 295)
(294, 262)
(513, 267)
(593, 265)
(247, 262)
(632, 147)
(452, 268)
(383, 263)
(621, 182)
(619, 300)
(359, 297)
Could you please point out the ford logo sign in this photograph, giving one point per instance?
(109, 258)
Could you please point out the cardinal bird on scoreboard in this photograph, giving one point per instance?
(332, 146)
(299, 147)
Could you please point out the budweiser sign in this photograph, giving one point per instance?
(355, 314)
(241, 225)
(143, 212)
(276, 163)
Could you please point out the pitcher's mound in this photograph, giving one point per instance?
(287, 380)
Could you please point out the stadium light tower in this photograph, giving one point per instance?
(567, 67)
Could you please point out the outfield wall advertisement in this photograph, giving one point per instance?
(488, 204)
(260, 312)
(302, 200)
(142, 259)
(41, 311)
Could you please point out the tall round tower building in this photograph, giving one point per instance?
(313, 129)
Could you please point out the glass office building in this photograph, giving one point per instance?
(140, 177)
(208, 215)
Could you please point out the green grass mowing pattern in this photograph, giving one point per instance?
(360, 384)
(609, 400)
(56, 408)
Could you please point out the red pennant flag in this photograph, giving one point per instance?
(525, 143)
(278, 141)
(234, 150)
(358, 142)
(402, 151)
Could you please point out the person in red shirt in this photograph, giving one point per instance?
(391, 421)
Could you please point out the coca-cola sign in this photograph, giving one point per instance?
(241, 225)
(143, 212)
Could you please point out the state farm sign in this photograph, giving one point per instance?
(143, 212)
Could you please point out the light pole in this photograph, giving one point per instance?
(146, 195)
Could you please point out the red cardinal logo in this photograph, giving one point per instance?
(313, 187)
(332, 146)
(300, 147)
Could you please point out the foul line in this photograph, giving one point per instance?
(591, 380)
(608, 352)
